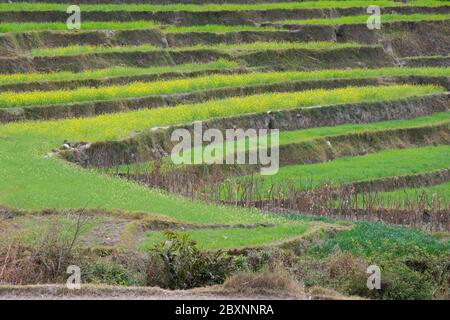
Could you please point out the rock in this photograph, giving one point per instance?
(6, 214)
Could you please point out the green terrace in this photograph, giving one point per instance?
(229, 48)
(233, 237)
(11, 99)
(440, 192)
(133, 25)
(86, 25)
(383, 164)
(216, 7)
(115, 72)
(212, 28)
(297, 136)
(385, 18)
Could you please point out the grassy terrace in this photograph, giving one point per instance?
(303, 135)
(440, 192)
(255, 46)
(363, 19)
(86, 25)
(214, 28)
(134, 25)
(296, 136)
(32, 181)
(220, 64)
(216, 7)
(363, 168)
(233, 237)
(115, 126)
(114, 72)
(12, 99)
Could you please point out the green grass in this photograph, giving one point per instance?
(230, 48)
(89, 49)
(11, 99)
(437, 57)
(440, 192)
(363, 19)
(371, 239)
(32, 181)
(382, 164)
(85, 25)
(132, 25)
(217, 28)
(114, 72)
(232, 237)
(307, 134)
(31, 229)
(212, 7)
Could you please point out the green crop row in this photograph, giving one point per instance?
(128, 25)
(255, 46)
(387, 163)
(85, 25)
(363, 19)
(258, 78)
(440, 192)
(114, 72)
(214, 7)
(10, 99)
(113, 126)
(232, 237)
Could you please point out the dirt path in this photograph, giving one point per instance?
(58, 292)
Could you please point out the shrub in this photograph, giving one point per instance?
(177, 263)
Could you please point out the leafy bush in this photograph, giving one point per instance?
(177, 263)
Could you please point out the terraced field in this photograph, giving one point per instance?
(86, 118)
